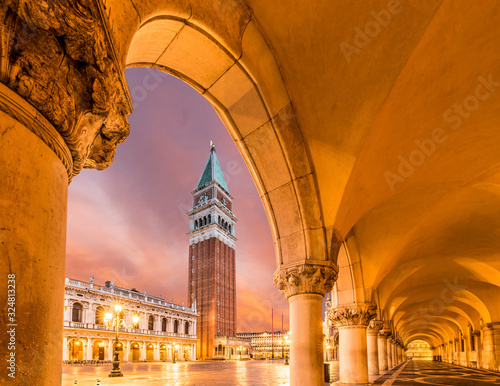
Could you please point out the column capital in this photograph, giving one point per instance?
(385, 333)
(352, 314)
(306, 277)
(374, 327)
(61, 61)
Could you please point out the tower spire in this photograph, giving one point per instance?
(212, 171)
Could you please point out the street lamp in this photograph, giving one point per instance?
(115, 321)
(287, 338)
(174, 349)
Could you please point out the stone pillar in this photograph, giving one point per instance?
(304, 285)
(491, 344)
(352, 321)
(156, 355)
(477, 344)
(395, 353)
(143, 351)
(63, 106)
(65, 349)
(382, 350)
(90, 350)
(372, 346)
(111, 349)
(126, 353)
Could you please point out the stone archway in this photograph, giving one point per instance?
(75, 350)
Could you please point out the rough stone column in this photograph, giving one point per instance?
(372, 346)
(304, 284)
(491, 344)
(390, 352)
(352, 321)
(63, 106)
(382, 350)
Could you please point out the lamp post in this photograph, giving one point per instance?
(115, 321)
(287, 339)
(174, 349)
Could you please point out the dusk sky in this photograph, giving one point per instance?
(128, 223)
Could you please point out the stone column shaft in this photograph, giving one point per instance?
(382, 351)
(304, 284)
(352, 321)
(372, 346)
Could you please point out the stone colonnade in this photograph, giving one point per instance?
(365, 348)
(87, 348)
(304, 284)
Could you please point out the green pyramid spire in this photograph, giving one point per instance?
(212, 171)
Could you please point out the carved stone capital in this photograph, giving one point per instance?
(374, 327)
(352, 314)
(57, 57)
(384, 333)
(306, 277)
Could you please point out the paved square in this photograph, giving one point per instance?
(258, 372)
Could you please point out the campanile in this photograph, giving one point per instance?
(212, 257)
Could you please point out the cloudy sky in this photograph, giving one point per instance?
(128, 223)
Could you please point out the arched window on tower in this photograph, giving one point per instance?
(186, 328)
(151, 322)
(176, 326)
(229, 228)
(195, 224)
(205, 220)
(209, 218)
(77, 313)
(164, 324)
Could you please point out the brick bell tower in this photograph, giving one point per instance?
(212, 258)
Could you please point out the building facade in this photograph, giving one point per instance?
(212, 257)
(268, 344)
(163, 327)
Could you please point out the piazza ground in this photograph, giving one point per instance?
(268, 373)
(370, 130)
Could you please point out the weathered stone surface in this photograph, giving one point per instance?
(55, 55)
(352, 314)
(306, 277)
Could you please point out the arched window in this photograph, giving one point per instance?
(205, 220)
(77, 312)
(195, 224)
(176, 326)
(164, 324)
(209, 218)
(229, 228)
(151, 322)
(99, 315)
(186, 328)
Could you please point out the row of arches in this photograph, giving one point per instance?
(86, 349)
(207, 220)
(202, 221)
(178, 326)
